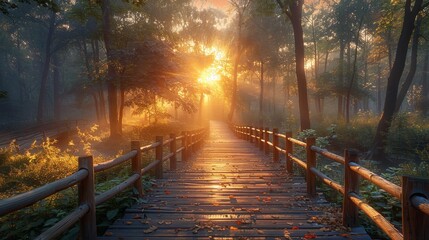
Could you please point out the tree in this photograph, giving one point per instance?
(391, 99)
(293, 10)
(240, 7)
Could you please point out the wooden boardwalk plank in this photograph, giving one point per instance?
(230, 190)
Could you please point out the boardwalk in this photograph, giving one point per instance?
(230, 190)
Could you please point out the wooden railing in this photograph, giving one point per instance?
(84, 178)
(413, 194)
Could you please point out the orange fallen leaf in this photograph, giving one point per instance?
(260, 231)
(167, 192)
(295, 228)
(309, 235)
(232, 228)
(231, 196)
(215, 204)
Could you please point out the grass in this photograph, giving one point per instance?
(45, 162)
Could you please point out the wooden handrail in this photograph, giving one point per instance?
(29, 198)
(85, 212)
(114, 162)
(414, 201)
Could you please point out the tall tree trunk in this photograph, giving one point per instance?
(341, 80)
(99, 82)
(393, 81)
(57, 85)
(112, 92)
(200, 109)
(235, 71)
(261, 96)
(353, 76)
(121, 108)
(379, 98)
(413, 66)
(424, 105)
(45, 68)
(295, 16)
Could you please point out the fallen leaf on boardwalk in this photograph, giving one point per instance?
(128, 222)
(275, 217)
(167, 192)
(232, 228)
(108, 234)
(345, 235)
(286, 234)
(231, 196)
(137, 216)
(309, 235)
(161, 222)
(295, 228)
(151, 229)
(168, 222)
(260, 231)
(215, 204)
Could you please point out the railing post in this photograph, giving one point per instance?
(136, 167)
(173, 148)
(251, 134)
(257, 139)
(159, 156)
(185, 145)
(351, 184)
(267, 139)
(289, 150)
(311, 163)
(261, 138)
(275, 145)
(414, 222)
(86, 193)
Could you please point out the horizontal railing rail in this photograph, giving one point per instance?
(84, 213)
(413, 193)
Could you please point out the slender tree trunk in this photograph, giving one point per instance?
(413, 66)
(121, 108)
(112, 92)
(57, 85)
(340, 81)
(295, 16)
(45, 69)
(378, 151)
(200, 110)
(379, 98)
(261, 95)
(425, 85)
(235, 71)
(99, 83)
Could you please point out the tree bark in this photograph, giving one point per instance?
(340, 81)
(235, 71)
(413, 66)
(57, 85)
(112, 92)
(425, 85)
(261, 96)
(378, 151)
(45, 68)
(295, 16)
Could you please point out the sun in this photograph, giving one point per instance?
(209, 76)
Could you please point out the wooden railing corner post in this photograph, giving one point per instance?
(136, 166)
(289, 150)
(267, 139)
(261, 138)
(276, 157)
(86, 193)
(414, 222)
(185, 146)
(311, 163)
(159, 157)
(173, 148)
(251, 134)
(351, 185)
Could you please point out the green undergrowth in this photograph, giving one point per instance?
(407, 146)
(45, 162)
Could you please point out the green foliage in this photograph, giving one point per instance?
(408, 138)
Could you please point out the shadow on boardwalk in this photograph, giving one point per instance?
(230, 190)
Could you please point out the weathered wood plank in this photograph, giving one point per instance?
(229, 190)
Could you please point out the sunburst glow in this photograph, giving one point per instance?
(211, 75)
